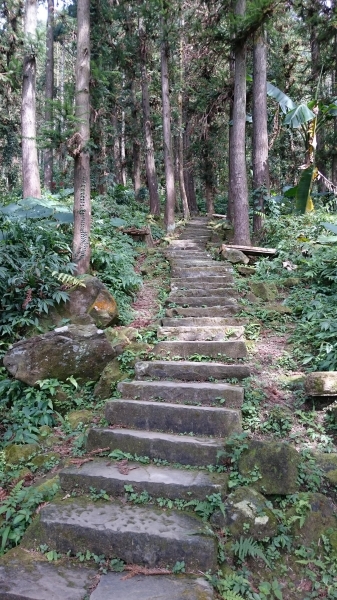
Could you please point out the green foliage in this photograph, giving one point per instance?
(18, 510)
(248, 547)
(31, 257)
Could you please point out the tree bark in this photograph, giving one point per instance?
(82, 207)
(334, 92)
(180, 149)
(136, 147)
(166, 112)
(238, 174)
(30, 167)
(261, 183)
(150, 164)
(49, 94)
(188, 171)
(230, 204)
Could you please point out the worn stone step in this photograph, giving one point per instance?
(189, 371)
(229, 291)
(113, 586)
(191, 333)
(235, 349)
(200, 272)
(185, 254)
(231, 308)
(172, 391)
(173, 418)
(203, 301)
(185, 263)
(158, 482)
(208, 281)
(187, 244)
(183, 449)
(203, 321)
(28, 576)
(135, 534)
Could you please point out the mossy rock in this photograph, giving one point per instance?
(293, 382)
(264, 290)
(24, 473)
(234, 256)
(110, 376)
(14, 453)
(318, 520)
(245, 270)
(80, 416)
(41, 460)
(291, 282)
(246, 507)
(321, 383)
(277, 464)
(281, 309)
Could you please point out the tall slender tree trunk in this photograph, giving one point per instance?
(180, 153)
(316, 64)
(82, 207)
(230, 205)
(122, 147)
(117, 149)
(136, 147)
(166, 112)
(334, 92)
(238, 173)
(188, 171)
(30, 167)
(49, 93)
(150, 164)
(261, 184)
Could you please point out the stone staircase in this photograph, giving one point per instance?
(176, 411)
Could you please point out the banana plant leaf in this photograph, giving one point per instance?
(299, 116)
(330, 227)
(284, 101)
(303, 195)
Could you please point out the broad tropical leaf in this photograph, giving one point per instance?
(330, 227)
(284, 101)
(299, 116)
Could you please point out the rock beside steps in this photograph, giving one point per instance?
(176, 414)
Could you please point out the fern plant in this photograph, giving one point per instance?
(248, 547)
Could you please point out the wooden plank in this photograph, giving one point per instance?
(254, 250)
(216, 216)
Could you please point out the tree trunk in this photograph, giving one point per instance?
(230, 205)
(238, 174)
(334, 93)
(261, 183)
(188, 171)
(150, 164)
(49, 94)
(180, 149)
(166, 112)
(117, 150)
(30, 167)
(136, 147)
(82, 208)
(122, 148)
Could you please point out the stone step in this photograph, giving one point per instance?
(231, 308)
(205, 291)
(200, 292)
(187, 245)
(189, 371)
(212, 349)
(185, 263)
(135, 534)
(173, 418)
(182, 449)
(113, 586)
(201, 272)
(29, 576)
(158, 482)
(185, 254)
(191, 333)
(203, 301)
(208, 281)
(172, 391)
(204, 321)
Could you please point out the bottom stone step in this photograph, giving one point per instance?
(114, 586)
(136, 535)
(25, 576)
(232, 308)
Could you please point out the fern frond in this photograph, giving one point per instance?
(68, 280)
(248, 547)
(232, 596)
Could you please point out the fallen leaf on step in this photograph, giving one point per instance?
(138, 570)
(80, 461)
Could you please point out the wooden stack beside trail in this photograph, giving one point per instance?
(178, 413)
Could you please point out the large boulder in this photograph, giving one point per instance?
(246, 513)
(78, 350)
(276, 462)
(234, 256)
(110, 376)
(95, 300)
